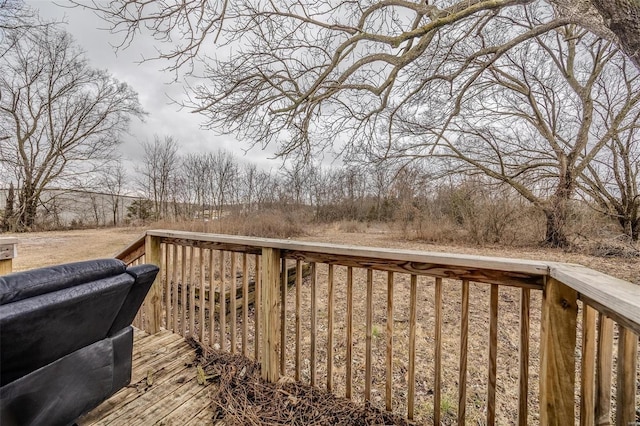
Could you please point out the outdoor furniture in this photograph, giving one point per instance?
(65, 338)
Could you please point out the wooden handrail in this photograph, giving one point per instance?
(133, 251)
(616, 298)
(562, 286)
(485, 269)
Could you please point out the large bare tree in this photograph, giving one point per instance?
(60, 118)
(536, 119)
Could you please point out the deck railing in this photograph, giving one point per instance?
(437, 337)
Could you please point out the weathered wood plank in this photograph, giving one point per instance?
(349, 331)
(158, 358)
(368, 334)
(413, 308)
(298, 319)
(212, 301)
(202, 301)
(314, 323)
(223, 303)
(271, 314)
(618, 299)
(258, 308)
(464, 344)
(557, 347)
(604, 362)
(133, 251)
(233, 299)
(174, 290)
(626, 386)
(254, 245)
(523, 357)
(190, 410)
(153, 301)
(192, 291)
(245, 304)
(437, 380)
(283, 316)
(389, 361)
(183, 287)
(587, 376)
(157, 412)
(330, 313)
(493, 355)
(167, 286)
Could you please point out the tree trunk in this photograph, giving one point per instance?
(556, 223)
(557, 209)
(28, 206)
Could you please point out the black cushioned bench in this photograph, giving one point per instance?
(66, 338)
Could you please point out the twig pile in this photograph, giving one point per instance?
(243, 398)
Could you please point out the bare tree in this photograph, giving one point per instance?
(314, 70)
(113, 181)
(535, 120)
(222, 179)
(62, 117)
(159, 162)
(613, 181)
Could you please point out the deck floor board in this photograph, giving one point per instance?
(164, 389)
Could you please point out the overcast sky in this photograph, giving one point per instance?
(153, 87)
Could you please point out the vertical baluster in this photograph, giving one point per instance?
(314, 323)
(183, 294)
(257, 308)
(212, 298)
(192, 292)
(298, 319)
(389, 383)
(245, 302)
(437, 353)
(523, 378)
(167, 286)
(413, 303)
(464, 338)
(349, 359)
(603, 370)
(222, 300)
(174, 290)
(626, 386)
(330, 329)
(232, 300)
(202, 302)
(587, 377)
(369, 328)
(283, 315)
(493, 355)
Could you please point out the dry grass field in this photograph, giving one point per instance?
(46, 248)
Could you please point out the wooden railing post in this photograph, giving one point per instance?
(270, 314)
(8, 250)
(153, 301)
(557, 354)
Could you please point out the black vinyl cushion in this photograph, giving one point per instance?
(41, 329)
(21, 285)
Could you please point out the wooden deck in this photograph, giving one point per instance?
(163, 390)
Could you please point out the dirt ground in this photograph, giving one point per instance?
(40, 249)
